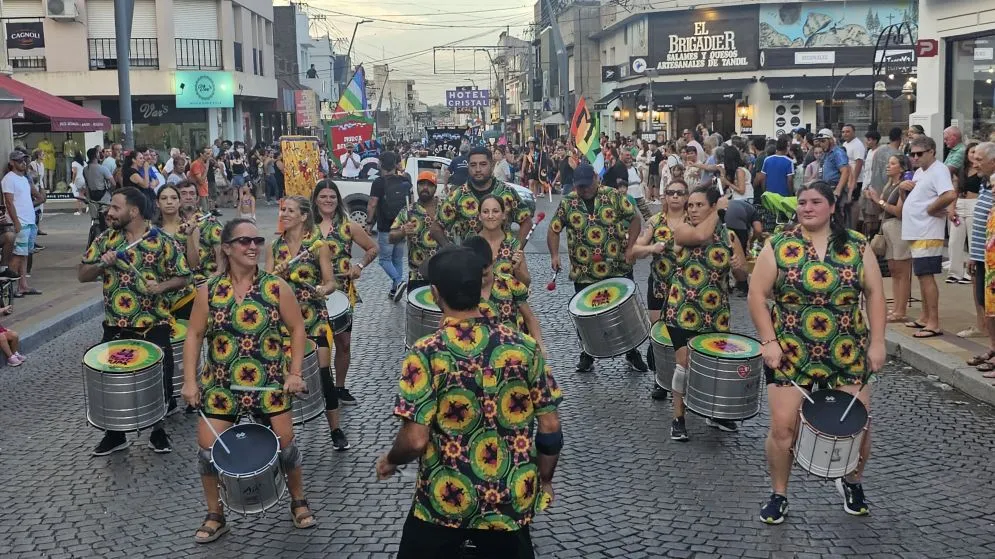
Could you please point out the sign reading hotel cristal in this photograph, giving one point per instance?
(699, 41)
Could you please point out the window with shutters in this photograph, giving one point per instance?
(198, 37)
(101, 35)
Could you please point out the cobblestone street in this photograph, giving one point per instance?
(624, 489)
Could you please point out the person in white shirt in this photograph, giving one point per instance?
(351, 163)
(924, 224)
(17, 197)
(868, 213)
(692, 142)
(634, 186)
(855, 154)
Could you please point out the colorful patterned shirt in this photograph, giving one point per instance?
(699, 298)
(126, 304)
(210, 238)
(308, 272)
(421, 245)
(502, 259)
(595, 239)
(664, 263)
(479, 386)
(245, 348)
(180, 242)
(339, 243)
(816, 311)
(458, 213)
(507, 293)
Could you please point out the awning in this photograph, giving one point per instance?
(691, 92)
(827, 87)
(554, 119)
(602, 104)
(64, 116)
(11, 106)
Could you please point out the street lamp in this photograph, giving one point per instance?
(353, 40)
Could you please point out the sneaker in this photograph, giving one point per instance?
(965, 280)
(14, 361)
(112, 442)
(585, 364)
(345, 398)
(10, 274)
(951, 279)
(391, 293)
(679, 430)
(971, 332)
(20, 356)
(77, 213)
(400, 290)
(775, 509)
(159, 441)
(722, 424)
(190, 410)
(659, 393)
(636, 361)
(853, 497)
(172, 408)
(339, 442)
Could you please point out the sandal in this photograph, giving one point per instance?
(915, 324)
(892, 317)
(924, 333)
(981, 359)
(299, 519)
(212, 533)
(987, 367)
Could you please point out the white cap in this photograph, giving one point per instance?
(824, 133)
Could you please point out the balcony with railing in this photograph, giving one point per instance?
(198, 54)
(26, 63)
(143, 53)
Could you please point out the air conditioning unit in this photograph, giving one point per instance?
(61, 9)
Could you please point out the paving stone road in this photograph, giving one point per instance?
(623, 488)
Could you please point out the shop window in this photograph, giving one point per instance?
(971, 83)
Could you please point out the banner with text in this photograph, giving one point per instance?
(446, 138)
(25, 36)
(350, 130)
(461, 98)
(701, 41)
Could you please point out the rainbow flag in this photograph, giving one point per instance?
(353, 99)
(586, 130)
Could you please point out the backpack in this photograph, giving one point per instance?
(397, 192)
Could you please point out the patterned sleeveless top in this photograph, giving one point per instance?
(507, 293)
(308, 272)
(664, 263)
(699, 298)
(244, 348)
(816, 312)
(339, 243)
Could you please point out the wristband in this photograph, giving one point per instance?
(360, 266)
(764, 343)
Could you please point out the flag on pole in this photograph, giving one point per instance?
(585, 129)
(353, 99)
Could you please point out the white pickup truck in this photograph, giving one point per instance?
(356, 192)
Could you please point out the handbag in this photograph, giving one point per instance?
(879, 244)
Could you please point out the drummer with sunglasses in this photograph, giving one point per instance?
(816, 273)
(243, 313)
(657, 240)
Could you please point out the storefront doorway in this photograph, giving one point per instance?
(717, 117)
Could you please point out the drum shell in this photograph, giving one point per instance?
(665, 359)
(716, 389)
(306, 407)
(178, 365)
(124, 401)
(825, 447)
(340, 320)
(252, 492)
(419, 322)
(615, 331)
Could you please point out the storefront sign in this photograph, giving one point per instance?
(204, 90)
(609, 74)
(700, 41)
(467, 98)
(927, 48)
(815, 57)
(25, 36)
(306, 108)
(787, 117)
(153, 111)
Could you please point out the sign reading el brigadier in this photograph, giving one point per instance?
(701, 41)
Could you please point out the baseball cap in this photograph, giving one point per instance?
(427, 176)
(18, 155)
(583, 175)
(824, 134)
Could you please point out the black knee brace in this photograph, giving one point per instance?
(204, 463)
(328, 388)
(290, 457)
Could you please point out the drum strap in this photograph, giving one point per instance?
(204, 464)
(290, 457)
(183, 301)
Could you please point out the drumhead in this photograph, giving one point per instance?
(602, 296)
(828, 407)
(423, 299)
(660, 334)
(122, 356)
(336, 303)
(252, 448)
(725, 346)
(177, 331)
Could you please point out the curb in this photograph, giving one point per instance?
(36, 336)
(950, 369)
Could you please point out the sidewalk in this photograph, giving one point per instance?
(944, 356)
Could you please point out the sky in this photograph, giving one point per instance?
(404, 33)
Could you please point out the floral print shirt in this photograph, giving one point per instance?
(596, 234)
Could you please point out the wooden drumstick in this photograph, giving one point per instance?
(295, 277)
(541, 216)
(805, 394)
(314, 247)
(213, 431)
(852, 402)
(152, 233)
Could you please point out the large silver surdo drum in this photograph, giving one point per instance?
(609, 317)
(423, 315)
(308, 406)
(122, 385)
(725, 376)
(664, 356)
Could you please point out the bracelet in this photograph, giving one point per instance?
(764, 343)
(360, 265)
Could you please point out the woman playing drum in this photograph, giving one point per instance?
(816, 273)
(339, 233)
(242, 312)
(658, 240)
(509, 259)
(170, 219)
(298, 255)
(699, 292)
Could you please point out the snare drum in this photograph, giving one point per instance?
(423, 315)
(250, 477)
(306, 407)
(663, 355)
(177, 339)
(725, 376)
(339, 311)
(609, 317)
(122, 385)
(826, 447)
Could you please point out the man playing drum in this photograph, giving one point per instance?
(210, 232)
(816, 273)
(136, 283)
(602, 226)
(242, 312)
(414, 223)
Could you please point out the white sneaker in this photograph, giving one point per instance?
(971, 332)
(14, 361)
(77, 213)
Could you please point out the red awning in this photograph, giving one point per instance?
(65, 116)
(11, 106)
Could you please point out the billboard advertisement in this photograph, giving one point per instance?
(701, 41)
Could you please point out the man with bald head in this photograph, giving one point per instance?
(953, 139)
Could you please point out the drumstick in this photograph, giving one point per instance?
(296, 277)
(551, 286)
(263, 389)
(805, 394)
(213, 431)
(541, 216)
(152, 233)
(316, 246)
(852, 402)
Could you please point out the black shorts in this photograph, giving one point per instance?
(653, 302)
(320, 341)
(979, 283)
(424, 540)
(680, 337)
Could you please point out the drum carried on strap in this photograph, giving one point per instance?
(249, 474)
(122, 385)
(725, 376)
(177, 339)
(306, 407)
(663, 355)
(423, 315)
(827, 447)
(339, 311)
(609, 317)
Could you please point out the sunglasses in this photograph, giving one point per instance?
(674, 193)
(246, 241)
(915, 154)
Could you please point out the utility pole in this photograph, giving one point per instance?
(123, 10)
(376, 113)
